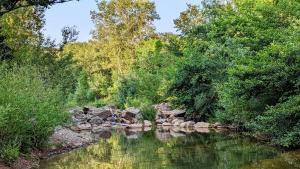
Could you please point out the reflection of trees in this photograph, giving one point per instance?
(289, 160)
(208, 151)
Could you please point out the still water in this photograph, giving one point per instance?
(166, 149)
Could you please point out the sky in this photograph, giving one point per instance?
(77, 14)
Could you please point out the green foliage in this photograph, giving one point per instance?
(121, 26)
(83, 94)
(242, 66)
(281, 123)
(94, 63)
(150, 78)
(9, 152)
(148, 113)
(29, 111)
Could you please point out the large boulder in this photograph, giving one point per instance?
(131, 114)
(69, 138)
(178, 112)
(103, 113)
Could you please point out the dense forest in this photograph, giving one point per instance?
(235, 62)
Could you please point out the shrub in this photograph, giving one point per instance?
(83, 94)
(29, 111)
(9, 152)
(281, 123)
(148, 113)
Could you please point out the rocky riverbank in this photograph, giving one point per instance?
(89, 124)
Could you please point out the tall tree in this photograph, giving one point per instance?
(189, 18)
(120, 26)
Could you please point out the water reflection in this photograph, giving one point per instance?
(172, 149)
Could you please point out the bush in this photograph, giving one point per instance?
(83, 94)
(281, 123)
(9, 152)
(29, 111)
(148, 113)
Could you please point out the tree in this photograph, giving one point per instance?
(189, 18)
(7, 6)
(21, 32)
(10, 5)
(120, 27)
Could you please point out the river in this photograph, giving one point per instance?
(166, 149)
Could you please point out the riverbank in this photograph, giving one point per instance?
(90, 124)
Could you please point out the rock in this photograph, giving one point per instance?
(96, 120)
(190, 124)
(79, 117)
(133, 110)
(106, 124)
(202, 125)
(182, 125)
(76, 110)
(162, 107)
(136, 125)
(69, 138)
(147, 123)
(80, 127)
(178, 122)
(178, 112)
(98, 129)
(102, 113)
(125, 121)
(131, 114)
(85, 126)
(160, 121)
(167, 124)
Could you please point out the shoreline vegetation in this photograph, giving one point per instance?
(233, 62)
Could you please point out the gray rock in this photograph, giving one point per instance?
(96, 120)
(66, 137)
(84, 126)
(102, 113)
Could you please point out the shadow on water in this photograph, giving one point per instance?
(162, 149)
